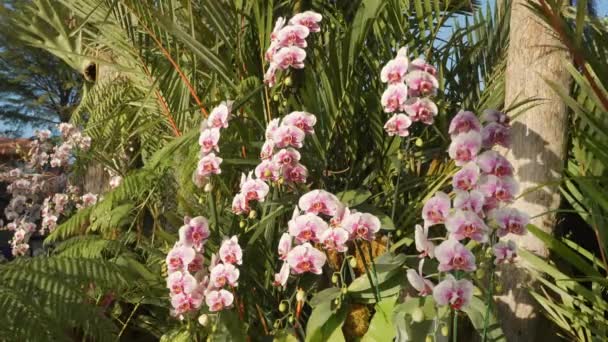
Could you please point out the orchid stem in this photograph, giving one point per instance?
(369, 276)
(455, 327)
(371, 260)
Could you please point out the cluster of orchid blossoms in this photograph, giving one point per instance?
(280, 159)
(209, 163)
(287, 43)
(320, 220)
(39, 192)
(482, 189)
(189, 284)
(43, 152)
(410, 85)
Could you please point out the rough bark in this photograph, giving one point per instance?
(537, 154)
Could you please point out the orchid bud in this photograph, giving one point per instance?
(480, 273)
(445, 330)
(203, 320)
(419, 142)
(276, 98)
(337, 301)
(282, 307)
(284, 103)
(418, 315)
(429, 338)
(277, 324)
(242, 224)
(290, 319)
(288, 81)
(352, 262)
(334, 278)
(344, 290)
(208, 187)
(253, 214)
(300, 295)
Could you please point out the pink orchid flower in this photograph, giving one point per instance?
(270, 76)
(491, 162)
(504, 252)
(254, 189)
(296, 173)
(305, 258)
(271, 128)
(181, 282)
(307, 228)
(195, 233)
(469, 201)
(394, 71)
(422, 65)
(293, 35)
(452, 255)
(287, 135)
(209, 139)
(419, 282)
(231, 252)
(466, 224)
(240, 205)
(303, 120)
(219, 116)
(179, 257)
(466, 178)
(224, 274)
(287, 157)
(289, 57)
(362, 226)
(436, 209)
(209, 165)
(423, 245)
(464, 147)
(421, 84)
(284, 246)
(196, 264)
(455, 293)
(280, 279)
(278, 25)
(421, 109)
(496, 134)
(267, 170)
(394, 97)
(320, 202)
(334, 239)
(493, 115)
(464, 122)
(218, 300)
(502, 189)
(267, 150)
(309, 19)
(398, 125)
(510, 220)
(183, 303)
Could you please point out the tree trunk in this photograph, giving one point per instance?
(537, 154)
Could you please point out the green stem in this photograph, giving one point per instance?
(124, 326)
(371, 260)
(369, 276)
(214, 209)
(455, 326)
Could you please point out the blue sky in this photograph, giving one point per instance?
(602, 7)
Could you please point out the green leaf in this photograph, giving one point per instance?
(324, 324)
(326, 295)
(381, 326)
(352, 198)
(476, 310)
